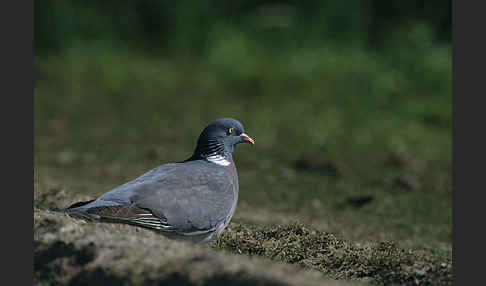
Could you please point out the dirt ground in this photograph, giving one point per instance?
(274, 251)
(74, 252)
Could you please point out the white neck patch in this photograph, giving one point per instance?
(218, 159)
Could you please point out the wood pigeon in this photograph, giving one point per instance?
(191, 200)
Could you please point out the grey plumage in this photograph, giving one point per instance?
(191, 200)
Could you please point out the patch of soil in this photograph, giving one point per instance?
(319, 164)
(69, 251)
(357, 201)
(381, 263)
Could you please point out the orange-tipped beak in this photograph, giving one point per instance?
(247, 139)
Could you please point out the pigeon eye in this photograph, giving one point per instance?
(231, 130)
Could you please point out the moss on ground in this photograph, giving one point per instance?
(382, 263)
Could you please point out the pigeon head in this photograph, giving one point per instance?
(219, 138)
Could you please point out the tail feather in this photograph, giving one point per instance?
(75, 210)
(125, 213)
(79, 204)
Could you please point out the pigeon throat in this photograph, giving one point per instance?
(214, 152)
(218, 159)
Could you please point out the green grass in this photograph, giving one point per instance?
(354, 138)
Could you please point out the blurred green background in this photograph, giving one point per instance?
(349, 104)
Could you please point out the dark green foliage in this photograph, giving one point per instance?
(189, 27)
